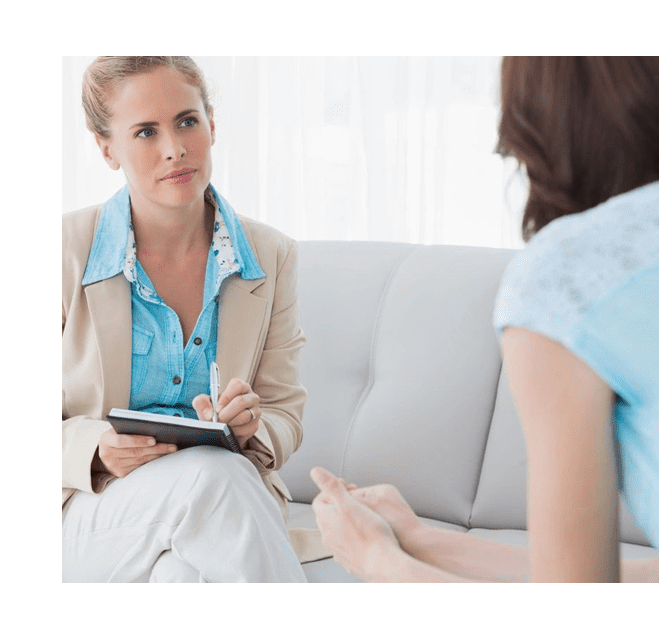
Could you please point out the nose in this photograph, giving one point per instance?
(173, 147)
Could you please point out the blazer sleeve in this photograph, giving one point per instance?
(276, 380)
(81, 384)
(80, 438)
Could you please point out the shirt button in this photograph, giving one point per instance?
(176, 380)
(197, 341)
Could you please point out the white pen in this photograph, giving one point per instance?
(215, 388)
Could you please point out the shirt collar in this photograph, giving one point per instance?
(110, 247)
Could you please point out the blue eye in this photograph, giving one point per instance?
(146, 133)
(189, 122)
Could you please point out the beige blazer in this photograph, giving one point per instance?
(259, 341)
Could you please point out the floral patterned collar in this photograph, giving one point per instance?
(113, 250)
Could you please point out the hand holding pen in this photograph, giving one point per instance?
(237, 406)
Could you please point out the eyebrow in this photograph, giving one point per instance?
(178, 116)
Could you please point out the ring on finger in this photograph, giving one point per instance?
(251, 413)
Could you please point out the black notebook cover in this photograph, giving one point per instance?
(183, 432)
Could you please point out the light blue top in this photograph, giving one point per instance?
(166, 374)
(591, 282)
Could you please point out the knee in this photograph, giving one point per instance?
(214, 465)
(209, 477)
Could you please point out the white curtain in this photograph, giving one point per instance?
(361, 148)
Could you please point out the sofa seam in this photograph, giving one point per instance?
(372, 354)
(487, 440)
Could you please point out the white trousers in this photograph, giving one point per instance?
(198, 515)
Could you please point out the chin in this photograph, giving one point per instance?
(182, 194)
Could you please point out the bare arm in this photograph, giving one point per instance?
(375, 534)
(468, 557)
(456, 553)
(565, 410)
(473, 558)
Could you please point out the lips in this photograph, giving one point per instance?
(179, 173)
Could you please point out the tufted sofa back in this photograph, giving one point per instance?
(405, 384)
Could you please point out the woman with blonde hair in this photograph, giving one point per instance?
(578, 317)
(160, 282)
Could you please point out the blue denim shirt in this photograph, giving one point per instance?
(165, 374)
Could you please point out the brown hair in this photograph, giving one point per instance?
(586, 129)
(106, 72)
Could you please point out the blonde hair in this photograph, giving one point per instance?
(104, 74)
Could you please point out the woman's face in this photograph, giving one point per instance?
(161, 137)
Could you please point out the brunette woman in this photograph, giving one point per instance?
(578, 316)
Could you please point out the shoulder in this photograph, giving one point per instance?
(577, 261)
(264, 233)
(78, 228)
(267, 242)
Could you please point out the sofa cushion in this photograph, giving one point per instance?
(401, 367)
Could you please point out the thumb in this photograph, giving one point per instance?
(329, 483)
(321, 476)
(203, 406)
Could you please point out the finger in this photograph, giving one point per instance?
(203, 406)
(236, 387)
(374, 489)
(245, 431)
(144, 452)
(126, 467)
(134, 463)
(111, 438)
(126, 441)
(362, 491)
(320, 476)
(245, 418)
(231, 413)
(329, 484)
(348, 485)
(369, 496)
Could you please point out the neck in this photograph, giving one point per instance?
(172, 231)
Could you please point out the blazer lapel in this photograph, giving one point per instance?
(240, 329)
(110, 312)
(240, 334)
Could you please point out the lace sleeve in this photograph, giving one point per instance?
(574, 263)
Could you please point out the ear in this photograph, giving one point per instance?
(106, 152)
(212, 124)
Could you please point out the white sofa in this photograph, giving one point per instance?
(405, 386)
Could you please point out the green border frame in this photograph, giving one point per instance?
(36, 600)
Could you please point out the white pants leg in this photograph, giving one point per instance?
(198, 515)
